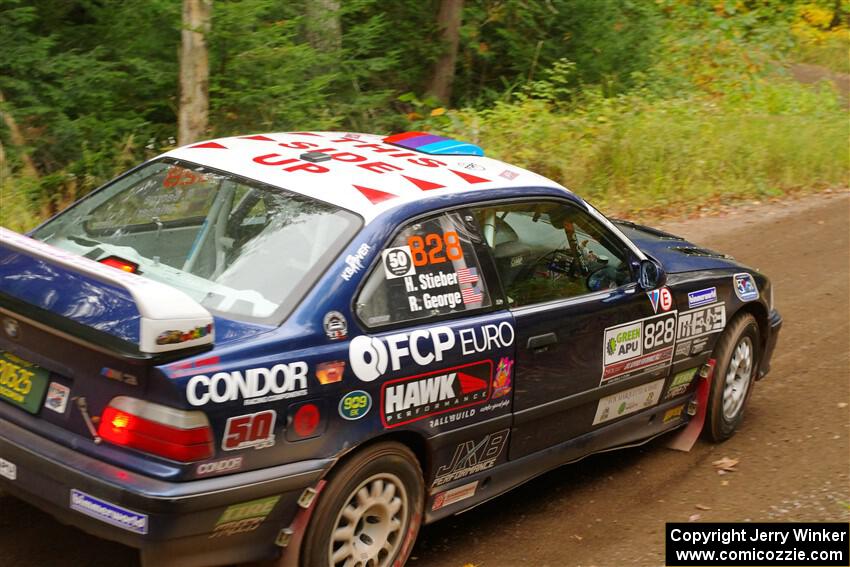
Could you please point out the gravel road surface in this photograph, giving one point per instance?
(610, 509)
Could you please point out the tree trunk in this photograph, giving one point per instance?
(17, 140)
(836, 15)
(448, 20)
(321, 23)
(193, 115)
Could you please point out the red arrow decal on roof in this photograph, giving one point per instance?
(469, 178)
(259, 137)
(424, 185)
(305, 134)
(374, 195)
(211, 145)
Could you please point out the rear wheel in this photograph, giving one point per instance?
(369, 513)
(737, 356)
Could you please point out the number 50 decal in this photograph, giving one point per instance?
(252, 430)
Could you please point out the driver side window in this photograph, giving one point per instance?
(546, 251)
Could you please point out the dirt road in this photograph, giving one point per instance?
(794, 446)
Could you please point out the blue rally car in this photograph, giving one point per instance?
(301, 346)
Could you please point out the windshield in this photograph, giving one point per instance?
(241, 249)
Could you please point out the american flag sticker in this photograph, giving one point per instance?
(467, 276)
(472, 294)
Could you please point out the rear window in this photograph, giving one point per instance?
(241, 249)
(429, 270)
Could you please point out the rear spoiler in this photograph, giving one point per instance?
(169, 319)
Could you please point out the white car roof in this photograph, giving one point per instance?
(365, 174)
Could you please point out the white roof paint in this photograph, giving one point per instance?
(367, 176)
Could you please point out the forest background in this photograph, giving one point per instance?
(637, 105)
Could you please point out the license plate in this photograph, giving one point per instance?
(8, 469)
(22, 383)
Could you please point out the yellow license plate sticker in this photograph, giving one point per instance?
(22, 383)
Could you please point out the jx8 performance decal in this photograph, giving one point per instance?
(638, 347)
(472, 457)
(410, 399)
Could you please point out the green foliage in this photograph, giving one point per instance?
(639, 151)
(631, 101)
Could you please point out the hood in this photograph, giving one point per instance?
(674, 252)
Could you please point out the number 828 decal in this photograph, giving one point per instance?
(638, 346)
(422, 250)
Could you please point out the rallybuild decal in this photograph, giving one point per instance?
(638, 347)
(108, 512)
(245, 517)
(471, 457)
(410, 399)
(628, 401)
(255, 386)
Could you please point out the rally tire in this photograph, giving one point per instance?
(737, 356)
(369, 511)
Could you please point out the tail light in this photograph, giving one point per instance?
(159, 430)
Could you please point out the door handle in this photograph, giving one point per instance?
(538, 342)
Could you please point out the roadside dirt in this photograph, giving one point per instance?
(808, 74)
(610, 510)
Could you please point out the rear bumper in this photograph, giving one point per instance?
(172, 523)
(775, 323)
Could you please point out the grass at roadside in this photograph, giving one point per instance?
(637, 153)
(17, 211)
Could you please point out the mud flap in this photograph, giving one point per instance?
(290, 538)
(686, 438)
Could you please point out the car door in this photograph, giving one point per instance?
(591, 347)
(438, 344)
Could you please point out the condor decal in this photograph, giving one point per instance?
(410, 399)
(255, 386)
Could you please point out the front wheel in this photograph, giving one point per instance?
(369, 513)
(737, 356)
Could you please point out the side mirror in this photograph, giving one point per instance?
(651, 275)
